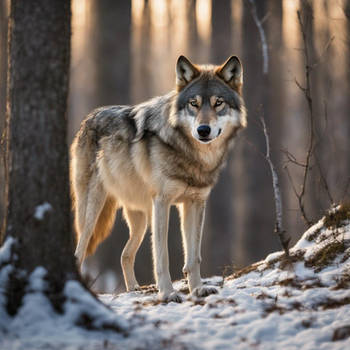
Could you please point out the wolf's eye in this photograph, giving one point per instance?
(193, 103)
(218, 103)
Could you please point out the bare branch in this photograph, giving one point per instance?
(291, 181)
(291, 158)
(307, 94)
(325, 50)
(299, 85)
(324, 181)
(264, 47)
(284, 240)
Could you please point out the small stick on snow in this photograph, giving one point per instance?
(284, 240)
(264, 48)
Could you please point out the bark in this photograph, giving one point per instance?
(346, 190)
(3, 85)
(37, 153)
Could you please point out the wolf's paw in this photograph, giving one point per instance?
(173, 296)
(204, 291)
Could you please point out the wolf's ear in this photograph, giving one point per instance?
(185, 72)
(232, 73)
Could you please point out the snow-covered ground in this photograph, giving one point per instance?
(303, 303)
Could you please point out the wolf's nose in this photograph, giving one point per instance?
(203, 130)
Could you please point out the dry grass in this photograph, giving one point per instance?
(338, 218)
(325, 256)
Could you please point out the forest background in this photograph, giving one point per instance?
(125, 52)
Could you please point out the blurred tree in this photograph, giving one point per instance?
(38, 215)
(140, 58)
(314, 189)
(346, 191)
(274, 105)
(193, 40)
(219, 228)
(257, 235)
(3, 86)
(112, 51)
(112, 27)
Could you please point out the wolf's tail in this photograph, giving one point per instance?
(104, 225)
(94, 226)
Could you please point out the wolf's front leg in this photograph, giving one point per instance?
(192, 219)
(160, 223)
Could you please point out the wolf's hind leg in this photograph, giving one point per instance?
(137, 223)
(95, 200)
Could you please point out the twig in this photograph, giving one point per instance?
(291, 181)
(325, 49)
(264, 48)
(90, 282)
(324, 181)
(284, 240)
(291, 158)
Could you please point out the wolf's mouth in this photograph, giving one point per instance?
(204, 139)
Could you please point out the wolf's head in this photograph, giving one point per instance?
(209, 103)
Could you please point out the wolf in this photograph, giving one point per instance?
(145, 158)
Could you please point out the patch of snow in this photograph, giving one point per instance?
(271, 307)
(41, 210)
(5, 250)
(273, 256)
(36, 280)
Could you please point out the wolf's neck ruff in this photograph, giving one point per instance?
(145, 158)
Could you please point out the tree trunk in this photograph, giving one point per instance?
(112, 51)
(346, 191)
(258, 224)
(112, 25)
(219, 226)
(38, 213)
(3, 85)
(314, 189)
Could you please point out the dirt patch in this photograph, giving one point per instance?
(243, 271)
(301, 284)
(330, 303)
(274, 308)
(343, 282)
(341, 333)
(150, 289)
(89, 322)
